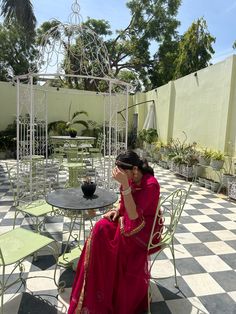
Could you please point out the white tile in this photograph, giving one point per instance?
(230, 225)
(203, 284)
(188, 206)
(193, 201)
(231, 216)
(180, 252)
(186, 238)
(225, 235)
(219, 247)
(214, 205)
(232, 294)
(195, 227)
(162, 269)
(208, 211)
(202, 218)
(42, 280)
(212, 263)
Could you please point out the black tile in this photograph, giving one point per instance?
(37, 304)
(206, 236)
(213, 226)
(197, 249)
(229, 259)
(200, 206)
(187, 220)
(226, 279)
(160, 307)
(188, 266)
(232, 243)
(181, 229)
(193, 212)
(168, 290)
(43, 262)
(10, 221)
(218, 217)
(223, 210)
(219, 304)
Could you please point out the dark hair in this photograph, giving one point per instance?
(129, 159)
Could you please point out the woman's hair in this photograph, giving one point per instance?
(129, 159)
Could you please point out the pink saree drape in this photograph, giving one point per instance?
(112, 272)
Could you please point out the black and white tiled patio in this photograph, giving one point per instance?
(205, 257)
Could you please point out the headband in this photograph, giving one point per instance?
(123, 164)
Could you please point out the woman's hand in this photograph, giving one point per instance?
(120, 176)
(112, 215)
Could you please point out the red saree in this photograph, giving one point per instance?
(112, 273)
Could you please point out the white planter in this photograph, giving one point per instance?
(204, 161)
(232, 190)
(216, 164)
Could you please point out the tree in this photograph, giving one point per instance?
(195, 49)
(17, 54)
(151, 20)
(164, 63)
(20, 11)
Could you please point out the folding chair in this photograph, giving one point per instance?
(168, 214)
(15, 246)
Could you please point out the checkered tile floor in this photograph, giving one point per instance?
(205, 248)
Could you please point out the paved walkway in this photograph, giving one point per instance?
(205, 256)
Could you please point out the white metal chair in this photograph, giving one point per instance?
(168, 214)
(15, 246)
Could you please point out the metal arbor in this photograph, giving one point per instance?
(79, 58)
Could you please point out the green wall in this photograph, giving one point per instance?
(202, 104)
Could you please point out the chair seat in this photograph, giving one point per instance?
(36, 208)
(19, 243)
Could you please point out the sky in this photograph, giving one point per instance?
(219, 15)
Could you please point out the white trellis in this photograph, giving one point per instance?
(80, 58)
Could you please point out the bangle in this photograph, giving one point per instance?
(126, 192)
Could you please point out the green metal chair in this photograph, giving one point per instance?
(76, 166)
(168, 214)
(30, 203)
(15, 246)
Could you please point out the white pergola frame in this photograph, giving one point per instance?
(29, 105)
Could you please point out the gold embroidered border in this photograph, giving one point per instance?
(128, 234)
(86, 262)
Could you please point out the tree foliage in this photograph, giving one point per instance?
(195, 49)
(17, 54)
(20, 11)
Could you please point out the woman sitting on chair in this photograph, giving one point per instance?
(112, 273)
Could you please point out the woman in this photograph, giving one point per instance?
(112, 273)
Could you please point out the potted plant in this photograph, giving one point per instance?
(88, 187)
(72, 132)
(204, 156)
(217, 160)
(61, 127)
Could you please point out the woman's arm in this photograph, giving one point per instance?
(129, 203)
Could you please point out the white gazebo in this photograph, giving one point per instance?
(79, 57)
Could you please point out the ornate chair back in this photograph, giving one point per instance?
(167, 216)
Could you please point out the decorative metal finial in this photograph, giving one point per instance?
(75, 17)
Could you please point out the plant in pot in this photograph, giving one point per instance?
(204, 156)
(88, 187)
(61, 127)
(217, 160)
(72, 132)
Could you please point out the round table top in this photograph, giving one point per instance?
(74, 199)
(76, 138)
